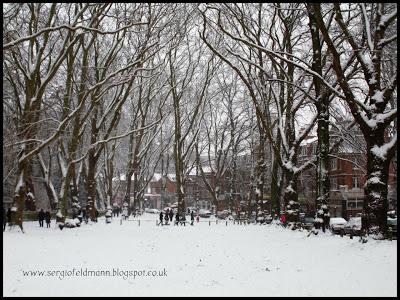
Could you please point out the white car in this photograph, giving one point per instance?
(205, 213)
(337, 224)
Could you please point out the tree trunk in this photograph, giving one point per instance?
(290, 197)
(275, 181)
(322, 105)
(260, 177)
(376, 187)
(91, 185)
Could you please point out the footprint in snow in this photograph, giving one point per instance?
(212, 282)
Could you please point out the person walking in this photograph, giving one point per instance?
(41, 217)
(4, 219)
(171, 214)
(166, 218)
(84, 215)
(192, 217)
(177, 218)
(48, 218)
(9, 217)
(161, 218)
(283, 219)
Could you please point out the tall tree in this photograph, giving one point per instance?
(376, 113)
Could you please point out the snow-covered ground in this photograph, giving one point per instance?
(200, 260)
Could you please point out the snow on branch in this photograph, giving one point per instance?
(387, 19)
(306, 131)
(384, 42)
(92, 146)
(367, 28)
(71, 28)
(273, 53)
(383, 151)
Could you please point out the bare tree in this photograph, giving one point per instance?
(376, 113)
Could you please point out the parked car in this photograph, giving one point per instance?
(337, 225)
(392, 214)
(308, 223)
(205, 213)
(241, 216)
(223, 214)
(302, 216)
(191, 209)
(353, 226)
(392, 226)
(268, 219)
(260, 219)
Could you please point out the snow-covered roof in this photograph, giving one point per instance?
(206, 169)
(156, 177)
(152, 195)
(309, 140)
(339, 221)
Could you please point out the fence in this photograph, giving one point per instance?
(226, 222)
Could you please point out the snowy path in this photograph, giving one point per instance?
(201, 260)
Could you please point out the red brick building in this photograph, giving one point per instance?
(347, 173)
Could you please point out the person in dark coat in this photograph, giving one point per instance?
(166, 218)
(171, 214)
(192, 217)
(161, 218)
(9, 216)
(4, 219)
(84, 215)
(177, 218)
(41, 217)
(48, 219)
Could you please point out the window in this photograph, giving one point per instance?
(334, 184)
(334, 163)
(351, 204)
(356, 183)
(355, 204)
(304, 150)
(314, 148)
(355, 164)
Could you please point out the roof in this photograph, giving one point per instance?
(309, 140)
(156, 177)
(206, 170)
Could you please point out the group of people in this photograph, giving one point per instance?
(42, 216)
(116, 211)
(169, 215)
(84, 215)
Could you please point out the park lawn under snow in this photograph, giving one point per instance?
(200, 260)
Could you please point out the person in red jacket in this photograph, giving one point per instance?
(283, 219)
